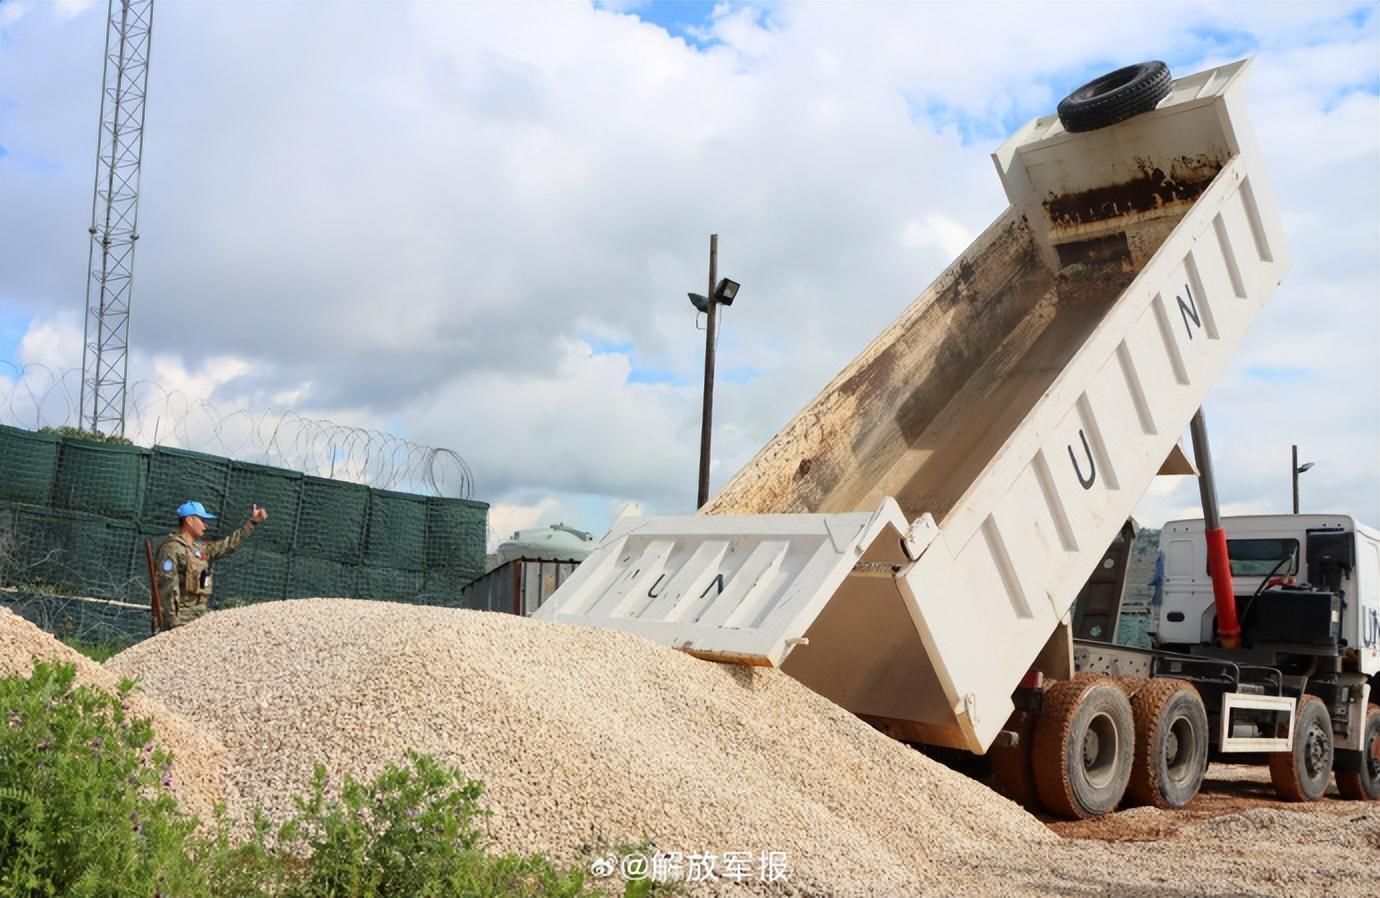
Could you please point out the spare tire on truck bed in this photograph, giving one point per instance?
(1116, 96)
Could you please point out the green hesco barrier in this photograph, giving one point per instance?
(9, 547)
(91, 620)
(396, 535)
(39, 535)
(311, 577)
(277, 490)
(27, 463)
(176, 475)
(444, 586)
(456, 533)
(138, 588)
(100, 478)
(331, 522)
(389, 584)
(96, 554)
(250, 575)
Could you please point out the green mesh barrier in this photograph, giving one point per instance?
(90, 620)
(278, 491)
(137, 590)
(37, 559)
(85, 536)
(9, 546)
(310, 577)
(456, 533)
(96, 554)
(100, 478)
(175, 476)
(28, 461)
(396, 534)
(250, 575)
(441, 586)
(389, 584)
(331, 522)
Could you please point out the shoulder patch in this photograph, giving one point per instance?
(167, 564)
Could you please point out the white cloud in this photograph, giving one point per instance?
(53, 343)
(67, 9)
(418, 217)
(937, 232)
(506, 519)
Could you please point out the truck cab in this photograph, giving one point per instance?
(1310, 581)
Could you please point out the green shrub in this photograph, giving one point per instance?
(76, 433)
(411, 831)
(85, 810)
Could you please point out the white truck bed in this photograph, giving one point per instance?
(907, 545)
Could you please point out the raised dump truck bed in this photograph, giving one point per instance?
(909, 543)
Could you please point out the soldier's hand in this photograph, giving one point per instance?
(259, 515)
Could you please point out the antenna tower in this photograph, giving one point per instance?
(114, 217)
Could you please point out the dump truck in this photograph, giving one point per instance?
(910, 544)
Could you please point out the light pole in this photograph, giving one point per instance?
(1297, 470)
(721, 292)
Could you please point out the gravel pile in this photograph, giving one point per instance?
(196, 756)
(582, 737)
(587, 737)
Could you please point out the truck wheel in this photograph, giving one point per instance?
(1083, 746)
(1132, 685)
(1012, 771)
(1171, 744)
(1115, 97)
(1302, 774)
(1358, 772)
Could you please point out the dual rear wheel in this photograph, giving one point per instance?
(1093, 747)
(1101, 742)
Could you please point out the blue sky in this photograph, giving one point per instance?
(681, 19)
(13, 326)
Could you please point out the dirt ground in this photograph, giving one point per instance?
(1228, 789)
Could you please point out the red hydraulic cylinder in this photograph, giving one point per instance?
(1219, 564)
(1223, 593)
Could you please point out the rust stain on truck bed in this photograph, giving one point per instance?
(1150, 190)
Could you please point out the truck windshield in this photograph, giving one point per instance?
(1258, 557)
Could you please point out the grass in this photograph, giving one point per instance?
(96, 651)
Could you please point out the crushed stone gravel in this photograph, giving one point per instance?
(588, 737)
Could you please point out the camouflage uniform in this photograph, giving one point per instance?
(184, 574)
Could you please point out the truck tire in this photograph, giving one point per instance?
(1013, 774)
(1302, 773)
(1171, 744)
(1115, 97)
(1083, 745)
(1358, 772)
(1132, 685)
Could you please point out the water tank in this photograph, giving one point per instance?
(555, 542)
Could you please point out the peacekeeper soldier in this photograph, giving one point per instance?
(184, 562)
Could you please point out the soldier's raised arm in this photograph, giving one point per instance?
(222, 547)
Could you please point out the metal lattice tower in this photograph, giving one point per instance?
(114, 217)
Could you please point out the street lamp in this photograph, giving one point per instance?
(1298, 469)
(721, 293)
